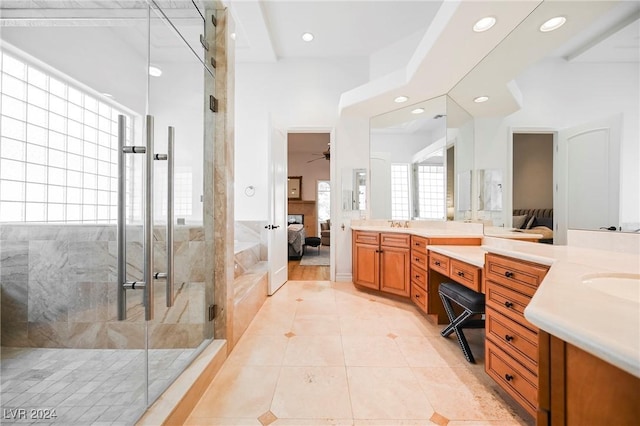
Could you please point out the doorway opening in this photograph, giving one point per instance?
(308, 160)
(533, 183)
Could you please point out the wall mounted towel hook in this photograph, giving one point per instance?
(250, 191)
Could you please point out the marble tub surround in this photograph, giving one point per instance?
(59, 291)
(601, 324)
(425, 228)
(246, 255)
(252, 231)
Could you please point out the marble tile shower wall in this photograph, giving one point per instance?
(252, 231)
(58, 288)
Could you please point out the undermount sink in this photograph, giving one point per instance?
(624, 286)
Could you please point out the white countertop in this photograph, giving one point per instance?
(473, 255)
(512, 233)
(602, 324)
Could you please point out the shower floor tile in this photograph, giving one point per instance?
(84, 386)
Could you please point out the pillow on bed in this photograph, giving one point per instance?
(544, 221)
(518, 221)
(530, 222)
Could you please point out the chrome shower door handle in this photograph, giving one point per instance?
(170, 189)
(121, 240)
(148, 222)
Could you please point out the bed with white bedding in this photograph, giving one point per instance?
(295, 238)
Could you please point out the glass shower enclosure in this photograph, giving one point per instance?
(101, 176)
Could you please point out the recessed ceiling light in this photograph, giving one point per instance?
(481, 99)
(417, 111)
(553, 24)
(307, 36)
(233, 36)
(484, 24)
(400, 99)
(107, 95)
(154, 71)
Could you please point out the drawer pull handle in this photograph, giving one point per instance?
(417, 276)
(509, 377)
(508, 338)
(437, 263)
(417, 259)
(508, 304)
(417, 296)
(508, 274)
(461, 274)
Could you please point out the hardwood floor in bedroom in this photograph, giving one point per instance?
(299, 272)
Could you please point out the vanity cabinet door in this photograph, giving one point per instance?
(365, 265)
(395, 270)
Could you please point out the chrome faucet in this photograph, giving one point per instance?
(406, 223)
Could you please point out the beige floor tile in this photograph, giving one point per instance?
(387, 393)
(238, 392)
(363, 326)
(213, 421)
(319, 351)
(457, 395)
(312, 393)
(372, 351)
(392, 422)
(486, 423)
(316, 325)
(313, 422)
(272, 323)
(315, 307)
(259, 349)
(406, 325)
(419, 352)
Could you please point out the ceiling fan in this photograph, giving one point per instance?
(325, 154)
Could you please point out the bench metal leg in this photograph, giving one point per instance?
(456, 325)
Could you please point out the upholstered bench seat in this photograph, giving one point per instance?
(472, 304)
(313, 242)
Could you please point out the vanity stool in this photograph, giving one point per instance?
(472, 304)
(313, 242)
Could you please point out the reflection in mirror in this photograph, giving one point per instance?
(573, 83)
(463, 203)
(490, 190)
(407, 159)
(360, 189)
(460, 163)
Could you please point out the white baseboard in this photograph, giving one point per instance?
(344, 277)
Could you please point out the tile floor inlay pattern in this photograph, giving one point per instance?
(83, 386)
(324, 353)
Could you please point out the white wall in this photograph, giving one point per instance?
(290, 94)
(558, 95)
(311, 172)
(394, 56)
(401, 146)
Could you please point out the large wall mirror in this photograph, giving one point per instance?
(419, 156)
(575, 93)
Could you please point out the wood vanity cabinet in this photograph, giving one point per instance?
(381, 261)
(512, 342)
(419, 277)
(577, 388)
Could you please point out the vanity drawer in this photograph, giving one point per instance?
(517, 341)
(466, 274)
(419, 244)
(519, 382)
(439, 263)
(365, 237)
(419, 296)
(395, 240)
(508, 302)
(419, 259)
(419, 277)
(524, 277)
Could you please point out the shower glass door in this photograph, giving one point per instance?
(70, 354)
(176, 103)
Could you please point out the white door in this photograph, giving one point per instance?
(277, 229)
(593, 173)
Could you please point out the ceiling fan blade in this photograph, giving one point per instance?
(315, 159)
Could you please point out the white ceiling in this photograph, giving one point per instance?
(272, 29)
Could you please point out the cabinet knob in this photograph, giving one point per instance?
(508, 274)
(509, 377)
(461, 274)
(417, 296)
(508, 304)
(437, 263)
(417, 259)
(508, 338)
(417, 276)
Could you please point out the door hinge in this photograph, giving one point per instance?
(213, 312)
(213, 103)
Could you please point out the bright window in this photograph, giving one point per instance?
(400, 194)
(430, 181)
(324, 202)
(58, 149)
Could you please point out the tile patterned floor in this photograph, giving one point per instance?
(83, 386)
(321, 353)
